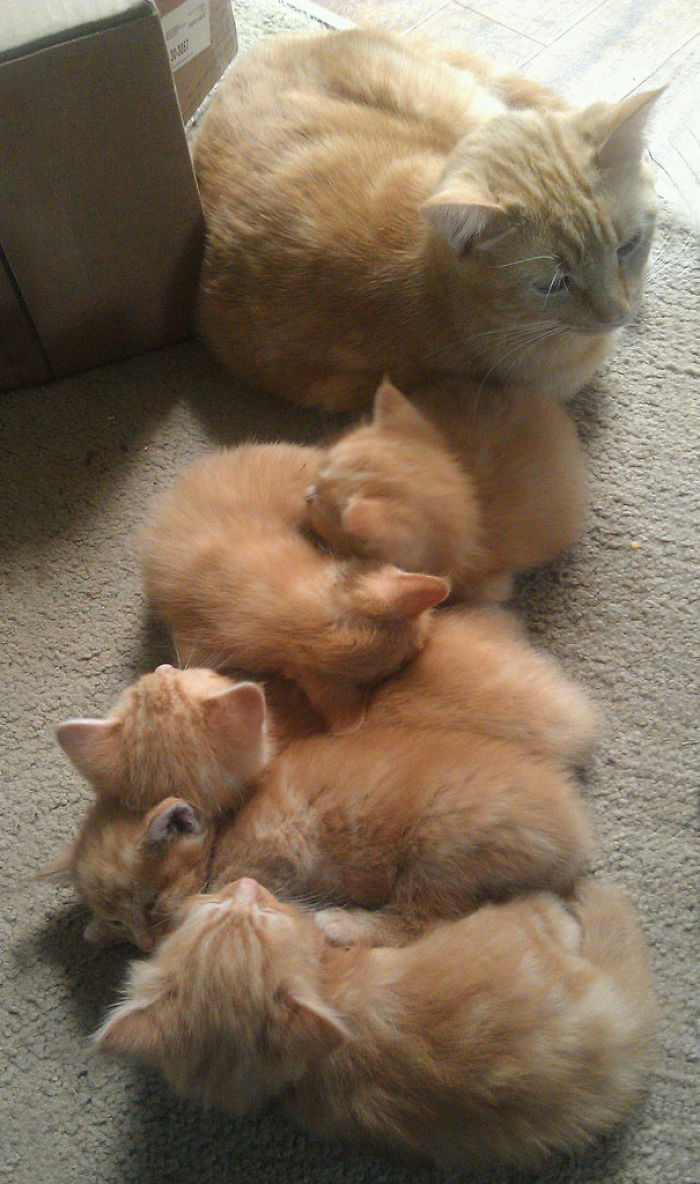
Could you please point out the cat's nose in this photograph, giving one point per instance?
(165, 666)
(246, 890)
(310, 494)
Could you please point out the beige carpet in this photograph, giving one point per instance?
(80, 460)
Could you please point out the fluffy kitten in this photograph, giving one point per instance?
(227, 567)
(182, 733)
(370, 208)
(454, 790)
(498, 1039)
(506, 493)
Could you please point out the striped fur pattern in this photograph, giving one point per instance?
(373, 204)
(497, 1039)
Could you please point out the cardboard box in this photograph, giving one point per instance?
(100, 220)
(201, 40)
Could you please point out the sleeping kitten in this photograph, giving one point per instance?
(507, 492)
(174, 733)
(498, 1039)
(370, 207)
(226, 566)
(455, 790)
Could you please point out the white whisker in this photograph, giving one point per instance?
(530, 259)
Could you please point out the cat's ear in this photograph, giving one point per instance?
(402, 595)
(60, 866)
(131, 1032)
(618, 129)
(367, 518)
(463, 213)
(393, 410)
(172, 819)
(90, 746)
(313, 1028)
(240, 707)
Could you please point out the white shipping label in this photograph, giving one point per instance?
(187, 31)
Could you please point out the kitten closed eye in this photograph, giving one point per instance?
(630, 246)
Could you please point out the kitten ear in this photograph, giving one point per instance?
(89, 745)
(314, 1028)
(241, 706)
(366, 517)
(461, 212)
(170, 820)
(60, 866)
(393, 410)
(131, 1032)
(619, 129)
(400, 594)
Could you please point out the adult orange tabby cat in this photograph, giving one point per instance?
(454, 790)
(371, 207)
(498, 1039)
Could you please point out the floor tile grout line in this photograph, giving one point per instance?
(678, 49)
(501, 24)
(544, 44)
(429, 16)
(565, 33)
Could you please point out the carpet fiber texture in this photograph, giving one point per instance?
(81, 459)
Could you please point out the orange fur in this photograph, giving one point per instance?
(227, 567)
(470, 489)
(454, 790)
(373, 205)
(498, 1039)
(182, 733)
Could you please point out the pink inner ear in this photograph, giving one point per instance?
(131, 1032)
(461, 211)
(242, 705)
(88, 745)
(366, 517)
(315, 1027)
(623, 130)
(405, 595)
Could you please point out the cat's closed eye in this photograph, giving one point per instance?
(149, 906)
(558, 283)
(630, 246)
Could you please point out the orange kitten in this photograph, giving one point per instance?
(498, 1039)
(465, 488)
(182, 733)
(370, 207)
(454, 790)
(227, 567)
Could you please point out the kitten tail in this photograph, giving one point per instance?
(613, 942)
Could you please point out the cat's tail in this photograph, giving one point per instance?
(613, 943)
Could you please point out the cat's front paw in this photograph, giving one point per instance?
(339, 926)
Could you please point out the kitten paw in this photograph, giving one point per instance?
(339, 926)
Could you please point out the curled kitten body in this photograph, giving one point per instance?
(227, 566)
(498, 1039)
(456, 789)
(469, 488)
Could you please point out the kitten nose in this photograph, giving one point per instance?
(165, 666)
(246, 890)
(310, 494)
